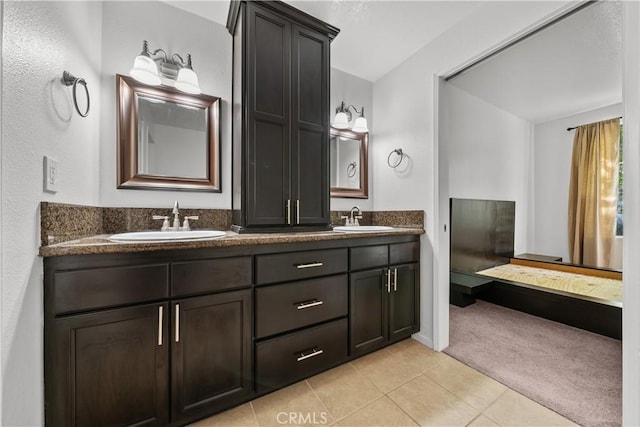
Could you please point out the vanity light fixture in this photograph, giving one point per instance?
(146, 70)
(343, 117)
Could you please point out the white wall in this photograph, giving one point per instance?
(488, 152)
(403, 107)
(125, 26)
(2, 249)
(44, 38)
(40, 40)
(631, 312)
(552, 149)
(359, 93)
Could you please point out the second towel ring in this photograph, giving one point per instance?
(69, 79)
(401, 155)
(351, 169)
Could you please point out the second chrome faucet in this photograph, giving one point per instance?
(351, 219)
(176, 220)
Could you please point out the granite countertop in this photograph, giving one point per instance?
(100, 244)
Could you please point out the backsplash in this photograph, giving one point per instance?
(61, 222)
(120, 220)
(407, 219)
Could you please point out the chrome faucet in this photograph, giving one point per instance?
(352, 220)
(176, 220)
(176, 216)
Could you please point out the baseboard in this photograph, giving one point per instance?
(422, 339)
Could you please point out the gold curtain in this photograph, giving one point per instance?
(593, 193)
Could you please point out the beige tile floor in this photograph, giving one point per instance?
(406, 384)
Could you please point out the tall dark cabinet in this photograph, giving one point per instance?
(280, 132)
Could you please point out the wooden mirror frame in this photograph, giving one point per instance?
(363, 191)
(127, 91)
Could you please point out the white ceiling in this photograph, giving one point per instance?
(571, 67)
(568, 68)
(375, 36)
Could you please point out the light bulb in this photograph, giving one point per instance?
(187, 81)
(145, 70)
(341, 121)
(360, 125)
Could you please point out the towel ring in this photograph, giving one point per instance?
(351, 169)
(69, 79)
(399, 152)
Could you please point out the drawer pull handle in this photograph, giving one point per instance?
(303, 305)
(160, 325)
(177, 322)
(314, 353)
(388, 273)
(395, 280)
(310, 265)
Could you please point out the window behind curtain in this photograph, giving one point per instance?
(619, 216)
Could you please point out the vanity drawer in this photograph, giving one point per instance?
(210, 275)
(283, 360)
(289, 266)
(94, 288)
(369, 257)
(281, 308)
(401, 253)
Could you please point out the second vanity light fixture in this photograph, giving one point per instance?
(343, 117)
(146, 70)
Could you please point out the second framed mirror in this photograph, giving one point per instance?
(348, 172)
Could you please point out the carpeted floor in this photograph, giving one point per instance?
(573, 372)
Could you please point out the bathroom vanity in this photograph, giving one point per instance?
(165, 334)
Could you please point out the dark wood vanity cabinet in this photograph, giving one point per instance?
(145, 344)
(301, 315)
(109, 368)
(384, 301)
(280, 131)
(210, 353)
(167, 338)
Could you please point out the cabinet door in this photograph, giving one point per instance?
(404, 302)
(368, 319)
(211, 352)
(267, 162)
(310, 126)
(111, 369)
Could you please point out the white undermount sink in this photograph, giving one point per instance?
(362, 228)
(166, 236)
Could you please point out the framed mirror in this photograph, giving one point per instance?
(348, 171)
(167, 139)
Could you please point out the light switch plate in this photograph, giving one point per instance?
(50, 175)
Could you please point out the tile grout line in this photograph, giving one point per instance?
(476, 417)
(493, 403)
(253, 411)
(462, 398)
(335, 419)
(369, 404)
(358, 372)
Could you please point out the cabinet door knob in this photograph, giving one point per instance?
(313, 353)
